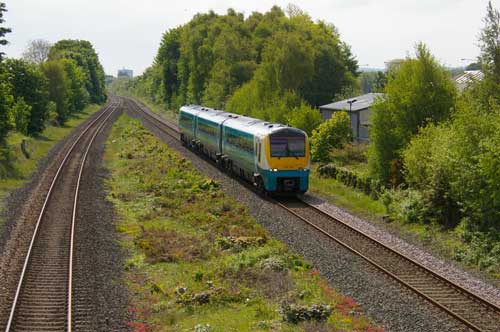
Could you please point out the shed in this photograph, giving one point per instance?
(359, 112)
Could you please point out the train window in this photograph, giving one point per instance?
(239, 141)
(207, 129)
(186, 121)
(288, 143)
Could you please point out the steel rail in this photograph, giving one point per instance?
(40, 216)
(157, 118)
(73, 219)
(449, 283)
(381, 268)
(404, 257)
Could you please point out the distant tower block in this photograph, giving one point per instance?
(125, 73)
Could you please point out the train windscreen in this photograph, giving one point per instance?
(288, 143)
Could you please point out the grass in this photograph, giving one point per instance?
(197, 261)
(346, 197)
(38, 147)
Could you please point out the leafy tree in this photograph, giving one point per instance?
(473, 66)
(305, 118)
(333, 133)
(3, 30)
(20, 114)
(59, 88)
(6, 100)
(78, 96)
(456, 165)
(212, 57)
(37, 51)
(29, 83)
(419, 92)
(489, 42)
(85, 57)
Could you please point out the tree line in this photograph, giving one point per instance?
(276, 66)
(48, 84)
(440, 147)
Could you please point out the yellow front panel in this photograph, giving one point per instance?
(286, 163)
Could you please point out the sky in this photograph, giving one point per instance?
(127, 33)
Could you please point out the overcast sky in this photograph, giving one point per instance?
(127, 33)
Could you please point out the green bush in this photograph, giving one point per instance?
(365, 184)
(294, 313)
(408, 205)
(419, 92)
(305, 118)
(333, 133)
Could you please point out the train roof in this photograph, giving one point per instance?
(236, 121)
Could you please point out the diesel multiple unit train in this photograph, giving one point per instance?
(274, 157)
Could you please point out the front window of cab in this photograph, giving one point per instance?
(288, 143)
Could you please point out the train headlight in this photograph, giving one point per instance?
(274, 169)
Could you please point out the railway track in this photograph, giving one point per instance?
(44, 293)
(475, 312)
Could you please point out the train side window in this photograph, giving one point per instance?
(258, 151)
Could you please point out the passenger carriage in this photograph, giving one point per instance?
(273, 156)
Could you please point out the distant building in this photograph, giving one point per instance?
(468, 77)
(359, 112)
(125, 73)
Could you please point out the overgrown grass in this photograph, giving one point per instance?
(197, 261)
(22, 167)
(346, 197)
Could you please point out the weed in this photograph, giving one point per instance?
(198, 261)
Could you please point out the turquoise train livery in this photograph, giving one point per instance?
(274, 157)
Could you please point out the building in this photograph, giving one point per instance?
(125, 73)
(468, 77)
(359, 112)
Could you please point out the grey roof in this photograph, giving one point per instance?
(468, 77)
(361, 102)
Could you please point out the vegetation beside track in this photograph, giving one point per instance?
(22, 164)
(448, 243)
(197, 261)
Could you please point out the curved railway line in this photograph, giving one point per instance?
(44, 295)
(476, 313)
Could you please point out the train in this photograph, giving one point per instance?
(273, 157)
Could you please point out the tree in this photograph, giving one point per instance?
(418, 92)
(20, 114)
(83, 53)
(6, 100)
(3, 30)
(37, 51)
(59, 88)
(211, 58)
(333, 133)
(305, 118)
(78, 97)
(489, 59)
(29, 83)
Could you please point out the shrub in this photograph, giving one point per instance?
(333, 133)
(407, 205)
(305, 118)
(418, 93)
(365, 184)
(294, 313)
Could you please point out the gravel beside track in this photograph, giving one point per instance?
(21, 214)
(385, 300)
(446, 269)
(98, 270)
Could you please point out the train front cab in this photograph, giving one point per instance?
(285, 168)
